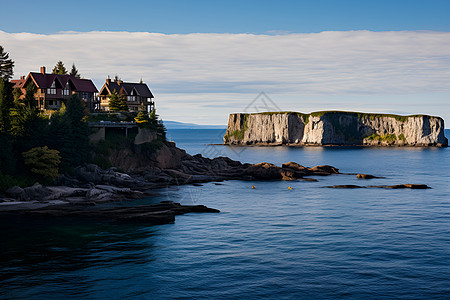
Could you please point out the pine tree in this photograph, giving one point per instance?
(70, 134)
(6, 65)
(6, 103)
(142, 118)
(59, 68)
(117, 102)
(30, 100)
(157, 124)
(74, 71)
(17, 93)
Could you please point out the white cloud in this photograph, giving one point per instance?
(187, 71)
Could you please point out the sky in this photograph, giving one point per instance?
(206, 59)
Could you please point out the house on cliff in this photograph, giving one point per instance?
(138, 95)
(52, 90)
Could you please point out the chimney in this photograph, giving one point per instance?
(43, 70)
(108, 81)
(22, 77)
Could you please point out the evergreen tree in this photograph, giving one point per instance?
(43, 163)
(28, 127)
(142, 118)
(59, 68)
(17, 93)
(7, 159)
(117, 102)
(157, 124)
(6, 65)
(70, 134)
(6, 103)
(30, 100)
(74, 71)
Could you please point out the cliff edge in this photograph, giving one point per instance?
(335, 128)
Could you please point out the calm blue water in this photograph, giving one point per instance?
(268, 242)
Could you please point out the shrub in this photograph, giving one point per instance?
(43, 162)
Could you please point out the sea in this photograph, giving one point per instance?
(271, 242)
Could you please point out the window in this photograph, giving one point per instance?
(131, 98)
(52, 89)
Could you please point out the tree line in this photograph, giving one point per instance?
(38, 147)
(34, 146)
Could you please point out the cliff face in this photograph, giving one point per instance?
(335, 128)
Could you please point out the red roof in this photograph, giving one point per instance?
(84, 85)
(18, 83)
(44, 81)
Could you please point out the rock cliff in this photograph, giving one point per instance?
(334, 128)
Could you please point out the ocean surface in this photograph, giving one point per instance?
(269, 242)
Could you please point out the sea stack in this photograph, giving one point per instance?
(335, 128)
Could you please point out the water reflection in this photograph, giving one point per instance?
(37, 255)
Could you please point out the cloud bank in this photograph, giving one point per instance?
(212, 74)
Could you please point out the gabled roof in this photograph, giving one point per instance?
(84, 85)
(44, 81)
(125, 88)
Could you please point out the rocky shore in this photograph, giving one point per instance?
(156, 214)
(83, 192)
(90, 185)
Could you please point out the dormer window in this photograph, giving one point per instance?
(52, 89)
(66, 91)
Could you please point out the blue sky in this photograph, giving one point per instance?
(231, 16)
(206, 59)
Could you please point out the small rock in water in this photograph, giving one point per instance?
(404, 186)
(346, 186)
(366, 176)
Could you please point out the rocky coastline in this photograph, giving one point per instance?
(82, 193)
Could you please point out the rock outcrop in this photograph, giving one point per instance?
(161, 213)
(335, 128)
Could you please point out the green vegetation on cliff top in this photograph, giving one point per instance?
(358, 114)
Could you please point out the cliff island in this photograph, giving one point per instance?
(334, 128)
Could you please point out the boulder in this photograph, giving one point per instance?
(264, 170)
(366, 176)
(94, 192)
(288, 174)
(18, 193)
(294, 166)
(408, 186)
(58, 192)
(93, 168)
(346, 186)
(37, 192)
(324, 169)
(309, 179)
(177, 174)
(112, 189)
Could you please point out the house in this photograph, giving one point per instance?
(138, 95)
(53, 89)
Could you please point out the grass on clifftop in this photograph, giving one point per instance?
(358, 114)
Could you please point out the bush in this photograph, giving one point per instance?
(43, 163)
